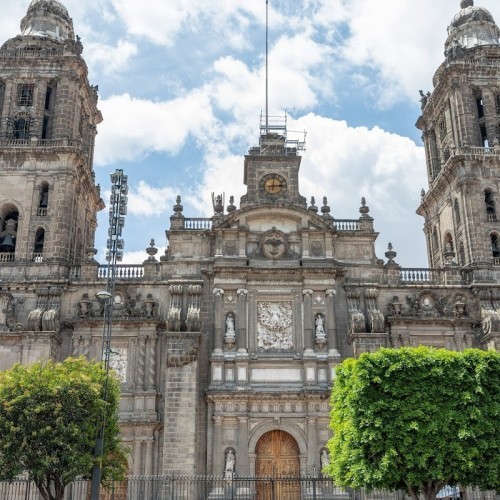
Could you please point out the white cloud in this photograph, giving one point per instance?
(162, 21)
(139, 256)
(146, 200)
(402, 41)
(109, 59)
(133, 128)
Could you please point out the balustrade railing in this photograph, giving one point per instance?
(198, 223)
(346, 224)
(7, 257)
(39, 143)
(421, 276)
(38, 258)
(122, 272)
(41, 212)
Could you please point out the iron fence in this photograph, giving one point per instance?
(175, 487)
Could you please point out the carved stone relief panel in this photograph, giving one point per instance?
(317, 249)
(231, 247)
(274, 325)
(118, 361)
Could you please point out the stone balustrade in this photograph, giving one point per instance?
(421, 276)
(123, 272)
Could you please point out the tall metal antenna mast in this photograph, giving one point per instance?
(267, 66)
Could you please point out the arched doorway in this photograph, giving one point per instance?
(278, 457)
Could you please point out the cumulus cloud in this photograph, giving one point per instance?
(146, 200)
(401, 41)
(133, 128)
(109, 59)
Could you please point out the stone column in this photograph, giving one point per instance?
(331, 331)
(217, 455)
(308, 321)
(242, 462)
(241, 339)
(148, 467)
(218, 320)
(312, 443)
(141, 363)
(137, 459)
(151, 366)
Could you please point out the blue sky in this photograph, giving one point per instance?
(181, 86)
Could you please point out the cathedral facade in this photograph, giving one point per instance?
(226, 346)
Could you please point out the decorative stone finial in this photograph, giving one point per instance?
(178, 208)
(391, 255)
(231, 207)
(466, 3)
(313, 207)
(152, 251)
(325, 210)
(364, 210)
(218, 206)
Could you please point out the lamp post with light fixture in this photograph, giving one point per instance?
(117, 212)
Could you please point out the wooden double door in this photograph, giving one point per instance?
(277, 466)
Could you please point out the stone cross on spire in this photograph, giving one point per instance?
(466, 3)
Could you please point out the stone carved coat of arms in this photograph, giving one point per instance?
(274, 325)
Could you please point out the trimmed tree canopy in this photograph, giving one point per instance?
(417, 419)
(50, 414)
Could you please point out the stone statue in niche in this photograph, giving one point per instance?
(274, 325)
(230, 465)
(320, 327)
(230, 336)
(325, 459)
(319, 322)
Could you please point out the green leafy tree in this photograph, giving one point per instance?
(416, 420)
(50, 414)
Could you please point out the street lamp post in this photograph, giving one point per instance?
(117, 212)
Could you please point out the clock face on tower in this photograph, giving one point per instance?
(273, 185)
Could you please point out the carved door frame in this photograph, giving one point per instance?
(277, 455)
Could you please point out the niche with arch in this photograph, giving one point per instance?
(489, 202)
(9, 216)
(39, 245)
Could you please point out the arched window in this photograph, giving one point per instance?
(456, 208)
(448, 244)
(490, 205)
(43, 200)
(8, 233)
(495, 245)
(38, 247)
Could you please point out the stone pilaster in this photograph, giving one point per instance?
(308, 321)
(217, 452)
(241, 340)
(219, 319)
(242, 458)
(330, 323)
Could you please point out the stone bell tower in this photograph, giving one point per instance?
(460, 123)
(48, 118)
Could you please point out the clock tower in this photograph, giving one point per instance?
(272, 169)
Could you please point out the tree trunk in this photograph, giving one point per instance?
(51, 489)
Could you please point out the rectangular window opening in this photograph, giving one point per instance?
(48, 96)
(480, 107)
(25, 93)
